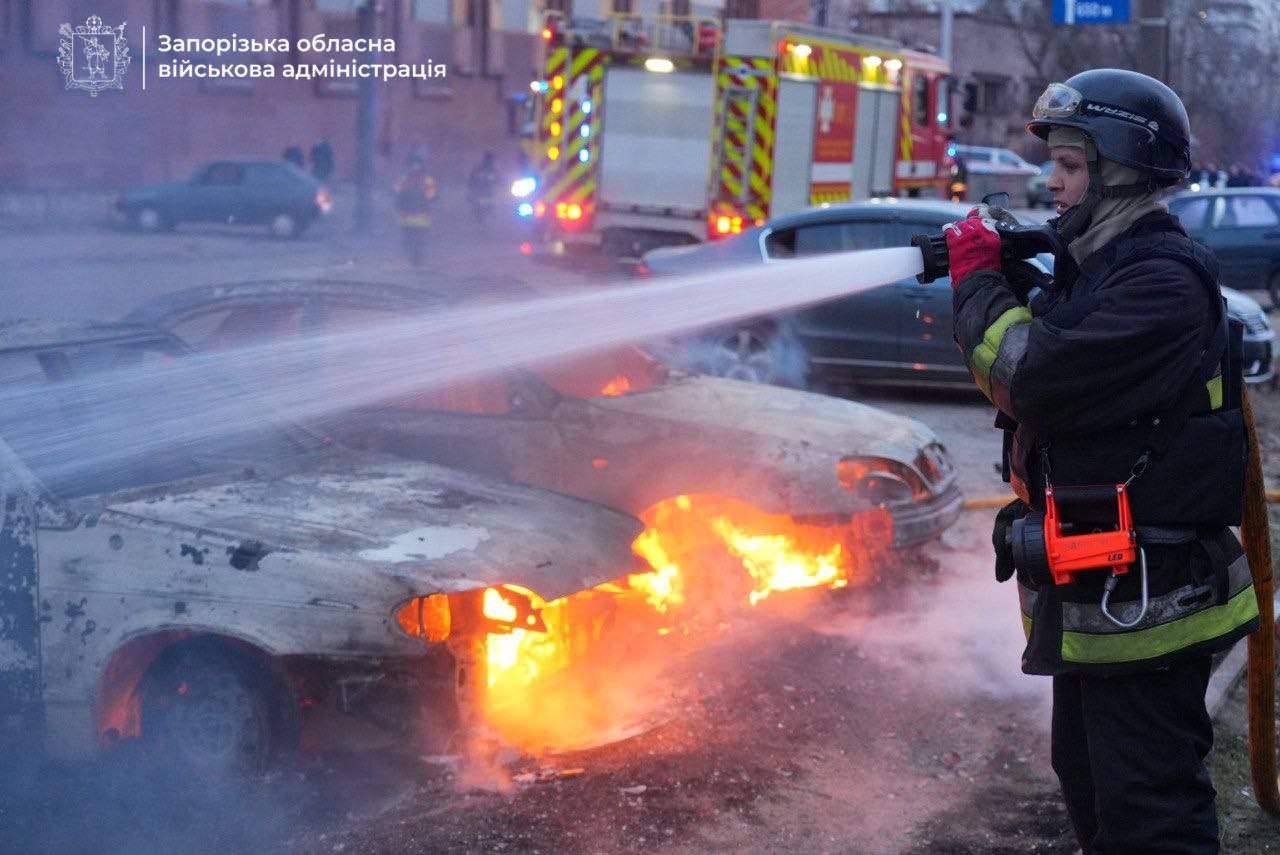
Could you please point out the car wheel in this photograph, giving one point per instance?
(284, 226)
(207, 710)
(1273, 288)
(760, 355)
(150, 219)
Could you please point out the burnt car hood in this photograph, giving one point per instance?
(817, 422)
(435, 528)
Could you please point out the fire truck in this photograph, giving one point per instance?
(670, 130)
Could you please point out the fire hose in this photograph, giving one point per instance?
(1255, 534)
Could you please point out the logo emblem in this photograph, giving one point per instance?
(93, 56)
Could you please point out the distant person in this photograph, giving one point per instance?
(322, 160)
(293, 154)
(415, 197)
(480, 186)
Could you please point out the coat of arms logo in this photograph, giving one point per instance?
(93, 56)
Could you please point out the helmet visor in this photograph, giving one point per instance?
(1058, 102)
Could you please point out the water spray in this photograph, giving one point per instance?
(129, 413)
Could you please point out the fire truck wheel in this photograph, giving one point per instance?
(285, 226)
(206, 708)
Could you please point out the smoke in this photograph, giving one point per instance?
(961, 632)
(756, 353)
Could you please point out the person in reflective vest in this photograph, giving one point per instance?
(415, 194)
(1120, 369)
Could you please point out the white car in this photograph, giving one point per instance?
(981, 159)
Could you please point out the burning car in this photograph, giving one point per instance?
(618, 428)
(212, 597)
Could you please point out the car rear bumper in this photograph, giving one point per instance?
(920, 522)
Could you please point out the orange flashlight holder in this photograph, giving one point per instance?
(1070, 554)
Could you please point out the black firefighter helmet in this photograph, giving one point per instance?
(1133, 119)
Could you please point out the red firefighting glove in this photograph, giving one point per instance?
(972, 245)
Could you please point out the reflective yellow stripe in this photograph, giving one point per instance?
(1026, 625)
(1215, 392)
(1171, 637)
(984, 355)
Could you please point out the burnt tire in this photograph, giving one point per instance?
(206, 708)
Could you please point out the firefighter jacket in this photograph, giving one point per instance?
(415, 194)
(1130, 354)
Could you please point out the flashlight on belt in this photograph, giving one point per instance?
(1041, 547)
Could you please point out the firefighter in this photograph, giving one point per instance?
(415, 197)
(480, 186)
(1119, 369)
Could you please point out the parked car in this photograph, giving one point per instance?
(207, 599)
(981, 158)
(241, 192)
(618, 428)
(1038, 193)
(1242, 226)
(897, 334)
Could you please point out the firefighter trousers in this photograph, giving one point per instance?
(1129, 752)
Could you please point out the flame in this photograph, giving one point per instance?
(619, 385)
(663, 588)
(559, 688)
(777, 564)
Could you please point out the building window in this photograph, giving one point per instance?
(742, 8)
(337, 7)
(987, 96)
(563, 6)
(681, 8)
(432, 11)
(621, 7)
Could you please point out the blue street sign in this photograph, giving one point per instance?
(1091, 11)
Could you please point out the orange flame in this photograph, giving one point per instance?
(619, 385)
(709, 556)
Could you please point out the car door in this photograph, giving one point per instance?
(859, 333)
(214, 196)
(1245, 234)
(929, 351)
(1193, 213)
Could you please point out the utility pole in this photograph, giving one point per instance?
(366, 118)
(1153, 38)
(945, 39)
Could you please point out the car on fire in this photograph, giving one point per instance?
(210, 599)
(231, 192)
(618, 428)
(897, 334)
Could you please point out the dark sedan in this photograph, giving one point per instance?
(897, 334)
(252, 192)
(1242, 226)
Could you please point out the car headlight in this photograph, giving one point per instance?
(427, 618)
(880, 481)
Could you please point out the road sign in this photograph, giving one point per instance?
(1091, 11)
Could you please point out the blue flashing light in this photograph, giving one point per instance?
(951, 150)
(584, 155)
(586, 131)
(586, 107)
(942, 118)
(524, 209)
